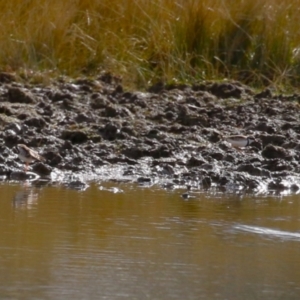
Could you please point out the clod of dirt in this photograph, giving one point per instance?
(271, 151)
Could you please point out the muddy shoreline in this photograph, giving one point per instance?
(173, 136)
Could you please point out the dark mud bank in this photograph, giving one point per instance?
(171, 135)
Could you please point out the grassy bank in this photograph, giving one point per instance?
(144, 41)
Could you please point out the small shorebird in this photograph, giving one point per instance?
(239, 141)
(28, 155)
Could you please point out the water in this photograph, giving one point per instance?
(146, 243)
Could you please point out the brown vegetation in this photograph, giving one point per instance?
(146, 41)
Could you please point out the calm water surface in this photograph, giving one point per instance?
(146, 243)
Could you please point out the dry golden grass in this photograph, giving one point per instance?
(145, 41)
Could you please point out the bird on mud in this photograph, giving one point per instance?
(28, 155)
(239, 141)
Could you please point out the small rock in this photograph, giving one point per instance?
(76, 136)
(144, 180)
(267, 93)
(254, 170)
(6, 77)
(17, 128)
(56, 96)
(226, 90)
(42, 169)
(53, 158)
(18, 95)
(35, 122)
(206, 182)
(271, 151)
(77, 185)
(274, 139)
(276, 185)
(110, 131)
(294, 188)
(196, 161)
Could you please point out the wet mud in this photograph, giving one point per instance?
(170, 135)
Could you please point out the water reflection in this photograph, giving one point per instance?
(269, 232)
(26, 197)
(26, 194)
(126, 242)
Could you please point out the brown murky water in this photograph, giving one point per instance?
(146, 243)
